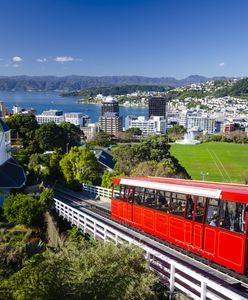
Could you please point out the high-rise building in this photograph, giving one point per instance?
(110, 123)
(157, 106)
(110, 105)
(2, 109)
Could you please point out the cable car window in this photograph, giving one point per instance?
(232, 216)
(124, 193)
(150, 196)
(178, 204)
(213, 213)
(190, 207)
(199, 214)
(116, 192)
(130, 196)
(162, 202)
(138, 195)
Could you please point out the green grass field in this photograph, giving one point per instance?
(222, 161)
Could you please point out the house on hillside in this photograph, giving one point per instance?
(12, 175)
(105, 159)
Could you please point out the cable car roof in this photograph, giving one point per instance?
(216, 190)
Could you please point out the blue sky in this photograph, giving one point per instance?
(153, 38)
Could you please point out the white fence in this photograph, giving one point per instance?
(173, 274)
(99, 191)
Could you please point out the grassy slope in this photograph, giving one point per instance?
(223, 162)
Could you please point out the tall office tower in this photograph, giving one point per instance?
(110, 123)
(110, 105)
(158, 106)
(2, 109)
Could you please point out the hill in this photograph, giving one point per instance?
(116, 90)
(76, 83)
(238, 89)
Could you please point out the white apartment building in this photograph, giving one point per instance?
(203, 123)
(78, 119)
(197, 121)
(52, 115)
(155, 125)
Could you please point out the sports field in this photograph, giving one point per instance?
(213, 161)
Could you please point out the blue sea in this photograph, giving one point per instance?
(51, 100)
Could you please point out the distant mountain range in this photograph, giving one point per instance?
(76, 83)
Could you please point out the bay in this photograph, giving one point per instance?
(51, 100)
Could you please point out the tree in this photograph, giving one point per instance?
(22, 209)
(46, 165)
(126, 157)
(39, 165)
(25, 209)
(23, 126)
(83, 270)
(134, 131)
(50, 136)
(80, 165)
(165, 168)
(154, 148)
(72, 134)
(102, 139)
(107, 178)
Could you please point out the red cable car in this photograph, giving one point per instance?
(207, 218)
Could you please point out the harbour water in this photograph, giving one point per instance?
(51, 100)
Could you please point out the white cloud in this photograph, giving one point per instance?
(63, 59)
(222, 64)
(15, 66)
(41, 60)
(17, 59)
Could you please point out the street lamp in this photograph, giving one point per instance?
(204, 174)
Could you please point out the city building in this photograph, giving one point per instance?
(198, 122)
(128, 121)
(110, 123)
(201, 123)
(12, 175)
(52, 115)
(155, 125)
(110, 105)
(78, 119)
(2, 109)
(229, 127)
(90, 130)
(16, 109)
(19, 110)
(157, 106)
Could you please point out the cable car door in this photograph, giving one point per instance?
(198, 223)
(128, 204)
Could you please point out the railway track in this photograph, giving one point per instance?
(196, 262)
